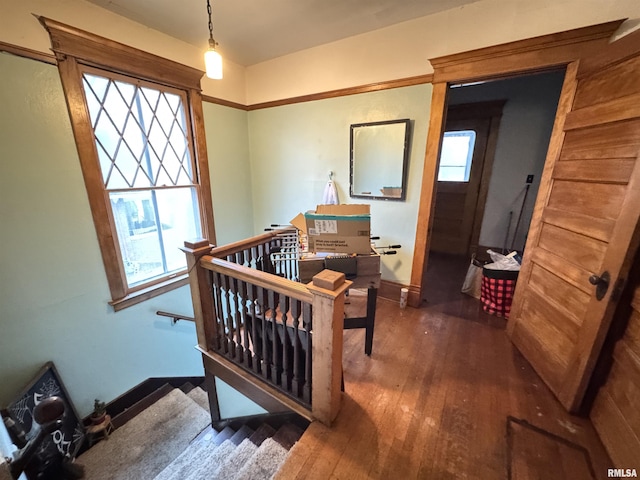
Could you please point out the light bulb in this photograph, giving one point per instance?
(213, 64)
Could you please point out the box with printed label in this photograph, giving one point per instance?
(339, 229)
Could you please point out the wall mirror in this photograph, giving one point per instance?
(379, 159)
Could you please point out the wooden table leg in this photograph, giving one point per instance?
(367, 322)
(372, 296)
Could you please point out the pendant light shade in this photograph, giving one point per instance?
(213, 64)
(212, 59)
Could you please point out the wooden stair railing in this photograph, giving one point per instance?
(280, 335)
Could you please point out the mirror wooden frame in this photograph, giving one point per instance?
(405, 159)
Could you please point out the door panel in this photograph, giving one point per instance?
(570, 301)
(600, 200)
(618, 80)
(611, 170)
(584, 221)
(577, 249)
(598, 228)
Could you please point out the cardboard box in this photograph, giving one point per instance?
(328, 279)
(337, 228)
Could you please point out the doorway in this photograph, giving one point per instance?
(511, 121)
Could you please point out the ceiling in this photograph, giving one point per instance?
(252, 31)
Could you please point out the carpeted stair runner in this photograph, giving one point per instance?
(173, 440)
(146, 444)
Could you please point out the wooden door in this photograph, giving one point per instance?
(615, 414)
(460, 205)
(584, 223)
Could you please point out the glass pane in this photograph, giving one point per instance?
(149, 252)
(456, 156)
(451, 174)
(142, 131)
(180, 221)
(135, 218)
(116, 107)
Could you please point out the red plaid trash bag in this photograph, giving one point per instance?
(497, 290)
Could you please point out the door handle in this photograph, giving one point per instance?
(601, 283)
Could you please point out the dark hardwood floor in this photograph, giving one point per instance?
(444, 395)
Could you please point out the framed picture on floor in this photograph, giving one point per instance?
(67, 440)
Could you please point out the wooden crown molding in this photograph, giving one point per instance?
(51, 59)
(101, 52)
(542, 52)
(224, 103)
(342, 92)
(27, 53)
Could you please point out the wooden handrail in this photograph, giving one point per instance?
(235, 247)
(261, 279)
(175, 317)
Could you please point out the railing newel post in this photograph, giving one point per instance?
(327, 325)
(201, 292)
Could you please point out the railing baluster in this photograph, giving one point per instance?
(221, 344)
(244, 312)
(215, 292)
(253, 258)
(306, 321)
(251, 307)
(260, 256)
(266, 358)
(237, 319)
(276, 364)
(228, 332)
(297, 347)
(286, 343)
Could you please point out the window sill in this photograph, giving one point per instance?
(146, 293)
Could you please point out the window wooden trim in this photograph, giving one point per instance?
(74, 48)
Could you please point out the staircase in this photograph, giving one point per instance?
(173, 440)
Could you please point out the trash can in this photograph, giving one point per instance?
(496, 292)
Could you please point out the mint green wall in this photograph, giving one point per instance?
(53, 289)
(265, 167)
(294, 147)
(228, 152)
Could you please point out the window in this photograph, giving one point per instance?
(143, 158)
(146, 163)
(456, 156)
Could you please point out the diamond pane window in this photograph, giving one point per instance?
(137, 120)
(145, 158)
(456, 156)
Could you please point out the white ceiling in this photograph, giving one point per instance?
(252, 31)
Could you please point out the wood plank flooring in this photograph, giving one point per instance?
(432, 401)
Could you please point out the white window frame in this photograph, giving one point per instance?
(469, 159)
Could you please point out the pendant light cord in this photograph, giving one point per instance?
(212, 42)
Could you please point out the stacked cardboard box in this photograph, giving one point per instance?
(337, 228)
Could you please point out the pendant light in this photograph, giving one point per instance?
(212, 59)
